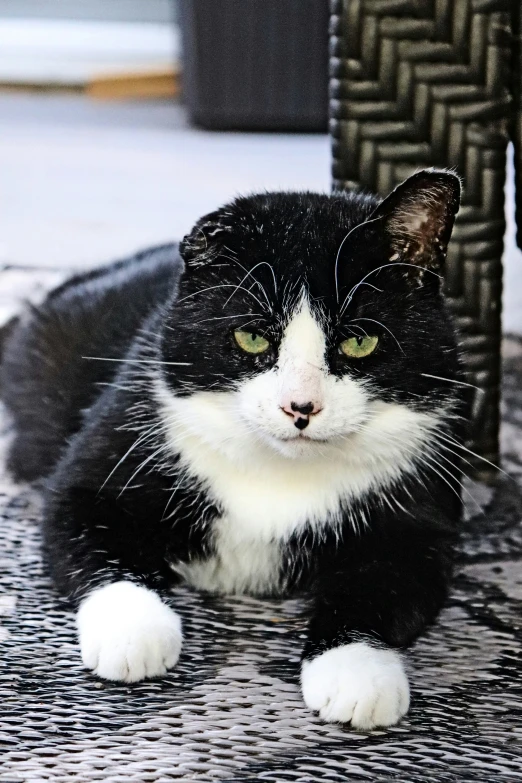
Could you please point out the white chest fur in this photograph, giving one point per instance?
(261, 511)
(266, 497)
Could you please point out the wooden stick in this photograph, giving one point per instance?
(160, 83)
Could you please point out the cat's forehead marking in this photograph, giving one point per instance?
(303, 336)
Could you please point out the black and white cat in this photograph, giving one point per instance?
(283, 414)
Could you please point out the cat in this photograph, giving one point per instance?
(273, 406)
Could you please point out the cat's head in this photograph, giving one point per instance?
(312, 325)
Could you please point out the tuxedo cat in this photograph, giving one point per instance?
(281, 411)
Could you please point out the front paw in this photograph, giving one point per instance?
(357, 683)
(127, 633)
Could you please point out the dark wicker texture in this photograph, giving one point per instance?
(418, 83)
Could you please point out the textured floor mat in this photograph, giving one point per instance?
(231, 710)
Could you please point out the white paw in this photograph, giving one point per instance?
(357, 683)
(127, 633)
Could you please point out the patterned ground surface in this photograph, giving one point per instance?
(232, 711)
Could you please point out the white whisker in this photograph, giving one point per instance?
(455, 443)
(350, 232)
(351, 293)
(224, 285)
(250, 272)
(451, 380)
(137, 361)
(224, 317)
(141, 466)
(147, 435)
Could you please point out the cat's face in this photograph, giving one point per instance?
(313, 326)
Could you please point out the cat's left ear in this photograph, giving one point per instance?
(418, 217)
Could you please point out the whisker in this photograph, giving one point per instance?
(355, 334)
(454, 442)
(141, 466)
(249, 273)
(461, 485)
(137, 361)
(450, 380)
(421, 458)
(350, 232)
(455, 453)
(224, 285)
(223, 317)
(150, 433)
(356, 326)
(351, 293)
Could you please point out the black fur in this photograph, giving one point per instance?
(75, 418)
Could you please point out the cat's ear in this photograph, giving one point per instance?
(206, 239)
(418, 217)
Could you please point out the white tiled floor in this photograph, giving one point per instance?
(82, 183)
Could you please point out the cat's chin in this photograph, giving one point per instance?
(300, 447)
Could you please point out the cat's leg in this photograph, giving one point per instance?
(369, 605)
(108, 565)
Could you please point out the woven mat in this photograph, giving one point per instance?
(231, 710)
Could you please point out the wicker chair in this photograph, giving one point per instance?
(429, 83)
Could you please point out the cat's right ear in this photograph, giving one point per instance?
(206, 239)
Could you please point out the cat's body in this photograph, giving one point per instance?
(83, 317)
(219, 435)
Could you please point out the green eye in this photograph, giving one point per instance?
(358, 347)
(251, 342)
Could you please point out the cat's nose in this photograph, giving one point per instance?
(301, 412)
(305, 409)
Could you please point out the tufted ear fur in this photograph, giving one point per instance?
(205, 240)
(418, 217)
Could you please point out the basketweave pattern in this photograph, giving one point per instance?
(418, 83)
(232, 711)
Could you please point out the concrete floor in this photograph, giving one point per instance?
(82, 182)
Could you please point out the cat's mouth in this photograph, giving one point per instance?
(303, 446)
(301, 437)
(306, 443)
(308, 438)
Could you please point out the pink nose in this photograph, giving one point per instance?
(301, 412)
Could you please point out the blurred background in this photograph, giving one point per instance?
(123, 121)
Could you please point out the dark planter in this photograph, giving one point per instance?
(256, 64)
